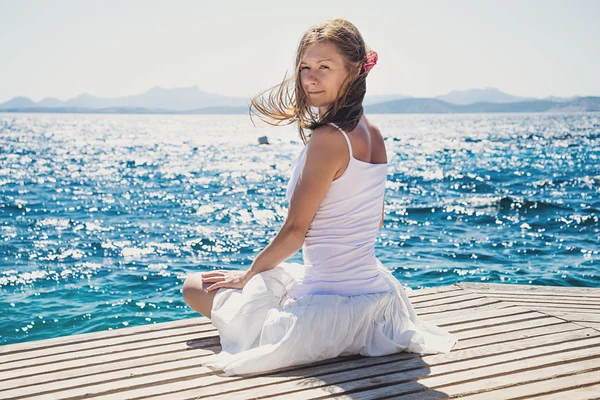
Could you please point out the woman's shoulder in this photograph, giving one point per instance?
(371, 127)
(324, 137)
(325, 143)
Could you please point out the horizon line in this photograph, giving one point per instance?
(250, 96)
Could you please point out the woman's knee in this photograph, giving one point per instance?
(194, 287)
(192, 282)
(196, 295)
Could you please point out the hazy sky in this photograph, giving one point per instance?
(426, 48)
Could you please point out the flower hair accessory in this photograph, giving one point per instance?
(371, 61)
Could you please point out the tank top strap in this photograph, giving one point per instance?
(346, 136)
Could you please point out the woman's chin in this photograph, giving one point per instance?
(318, 104)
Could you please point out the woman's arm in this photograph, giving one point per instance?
(287, 243)
(324, 156)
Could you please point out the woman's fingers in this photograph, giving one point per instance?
(213, 287)
(214, 273)
(213, 279)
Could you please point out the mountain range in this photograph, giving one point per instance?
(192, 100)
(157, 98)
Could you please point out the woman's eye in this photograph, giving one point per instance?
(322, 66)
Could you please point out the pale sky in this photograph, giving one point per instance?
(112, 48)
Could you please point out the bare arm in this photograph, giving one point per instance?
(313, 183)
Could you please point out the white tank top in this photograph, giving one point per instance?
(338, 248)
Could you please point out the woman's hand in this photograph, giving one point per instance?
(226, 279)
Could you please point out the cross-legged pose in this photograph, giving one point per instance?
(341, 300)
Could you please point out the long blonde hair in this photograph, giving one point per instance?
(287, 102)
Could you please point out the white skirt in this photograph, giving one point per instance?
(262, 329)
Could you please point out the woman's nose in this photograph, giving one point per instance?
(310, 77)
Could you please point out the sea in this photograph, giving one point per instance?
(102, 216)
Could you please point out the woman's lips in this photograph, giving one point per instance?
(316, 92)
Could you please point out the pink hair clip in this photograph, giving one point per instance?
(371, 61)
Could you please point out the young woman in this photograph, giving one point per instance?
(341, 300)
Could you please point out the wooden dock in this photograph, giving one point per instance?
(515, 342)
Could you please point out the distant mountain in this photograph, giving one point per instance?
(127, 110)
(428, 106)
(48, 102)
(18, 102)
(470, 96)
(192, 100)
(589, 103)
(486, 95)
(219, 110)
(177, 99)
(403, 106)
(410, 106)
(380, 98)
(560, 99)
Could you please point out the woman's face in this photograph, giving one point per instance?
(322, 74)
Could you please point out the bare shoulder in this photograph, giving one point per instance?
(373, 129)
(327, 149)
(377, 143)
(324, 140)
(323, 132)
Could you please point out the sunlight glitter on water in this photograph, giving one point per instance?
(102, 213)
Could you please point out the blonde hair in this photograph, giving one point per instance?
(287, 102)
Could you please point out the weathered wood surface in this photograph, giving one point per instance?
(515, 342)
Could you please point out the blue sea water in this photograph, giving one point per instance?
(103, 216)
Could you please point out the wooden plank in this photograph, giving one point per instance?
(541, 327)
(213, 384)
(479, 309)
(556, 388)
(487, 336)
(555, 306)
(84, 357)
(503, 321)
(445, 300)
(37, 355)
(162, 360)
(465, 306)
(499, 372)
(486, 310)
(575, 316)
(515, 326)
(570, 364)
(541, 298)
(45, 375)
(201, 347)
(592, 293)
(100, 336)
(581, 393)
(406, 371)
(162, 364)
(140, 333)
(106, 379)
(99, 358)
(160, 328)
(532, 320)
(423, 302)
(415, 294)
(594, 325)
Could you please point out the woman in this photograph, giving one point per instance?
(341, 300)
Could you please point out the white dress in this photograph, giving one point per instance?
(341, 301)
